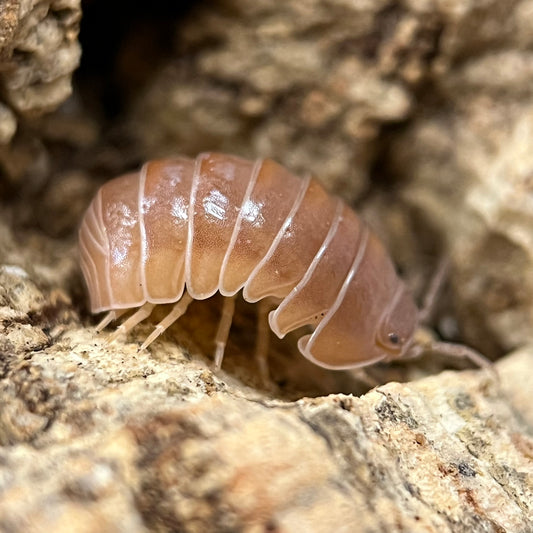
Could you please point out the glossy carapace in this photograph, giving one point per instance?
(182, 229)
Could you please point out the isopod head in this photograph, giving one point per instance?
(373, 319)
(350, 346)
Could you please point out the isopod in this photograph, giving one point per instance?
(182, 229)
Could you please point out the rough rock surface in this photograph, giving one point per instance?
(308, 83)
(418, 108)
(39, 51)
(100, 437)
(482, 149)
(469, 153)
(106, 438)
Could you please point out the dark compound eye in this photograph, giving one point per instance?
(394, 338)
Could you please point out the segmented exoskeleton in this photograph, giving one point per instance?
(183, 229)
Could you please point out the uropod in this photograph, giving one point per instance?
(182, 229)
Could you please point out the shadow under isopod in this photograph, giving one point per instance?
(291, 375)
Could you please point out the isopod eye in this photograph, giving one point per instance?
(397, 326)
(394, 338)
(391, 341)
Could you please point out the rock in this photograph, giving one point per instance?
(467, 166)
(161, 443)
(42, 51)
(309, 84)
(8, 124)
(39, 51)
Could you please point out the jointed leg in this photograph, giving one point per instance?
(435, 286)
(424, 342)
(263, 340)
(178, 310)
(224, 326)
(112, 315)
(464, 352)
(364, 377)
(132, 321)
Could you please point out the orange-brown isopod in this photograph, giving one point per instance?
(222, 223)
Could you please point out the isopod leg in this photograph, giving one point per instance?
(112, 315)
(464, 352)
(263, 340)
(224, 326)
(178, 310)
(365, 378)
(132, 321)
(435, 286)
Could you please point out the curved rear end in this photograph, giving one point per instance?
(109, 246)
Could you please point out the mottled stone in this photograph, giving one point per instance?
(39, 51)
(307, 83)
(476, 163)
(43, 53)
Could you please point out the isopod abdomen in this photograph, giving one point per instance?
(183, 229)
